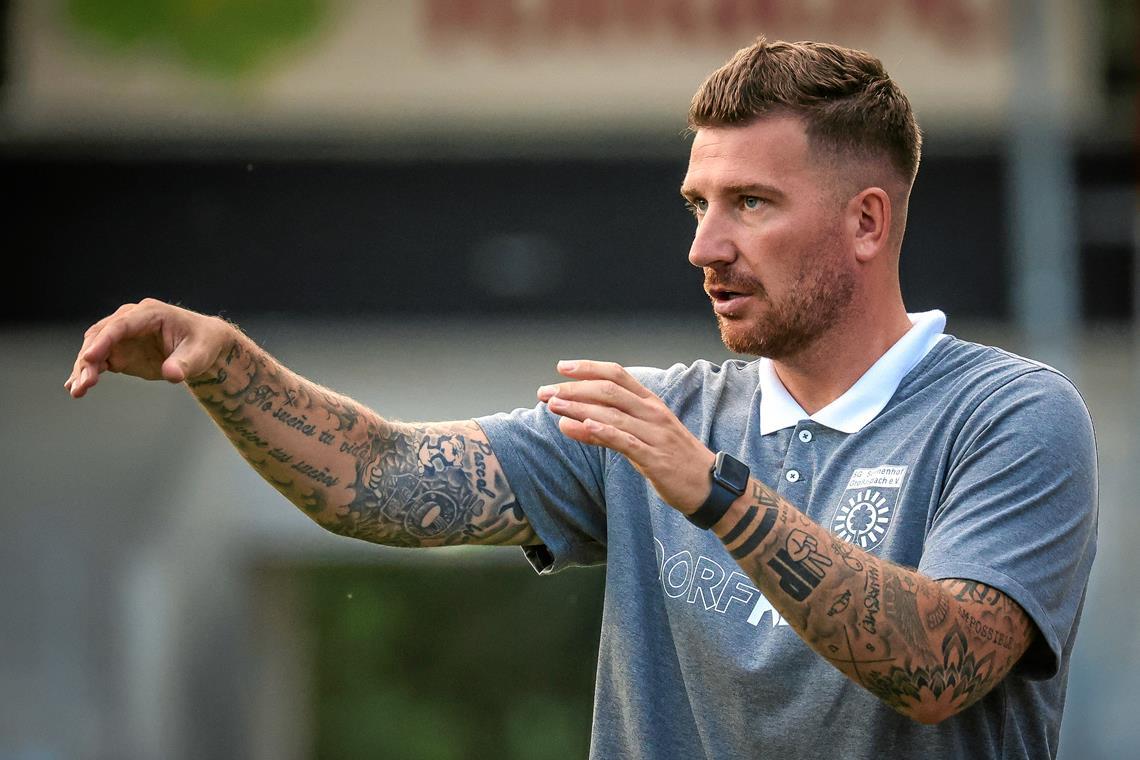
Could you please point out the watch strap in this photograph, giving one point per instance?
(719, 500)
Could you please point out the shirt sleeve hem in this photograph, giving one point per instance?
(557, 551)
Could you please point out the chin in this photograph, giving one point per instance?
(740, 337)
(743, 337)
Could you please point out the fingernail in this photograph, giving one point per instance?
(546, 390)
(567, 365)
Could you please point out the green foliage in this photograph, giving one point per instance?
(453, 662)
(223, 38)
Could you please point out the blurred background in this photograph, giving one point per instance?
(425, 204)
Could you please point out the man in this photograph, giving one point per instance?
(874, 541)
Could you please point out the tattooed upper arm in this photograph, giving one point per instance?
(434, 484)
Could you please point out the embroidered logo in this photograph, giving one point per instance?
(865, 510)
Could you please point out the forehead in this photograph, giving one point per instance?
(772, 151)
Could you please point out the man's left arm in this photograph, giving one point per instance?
(928, 648)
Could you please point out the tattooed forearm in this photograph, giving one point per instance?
(353, 472)
(926, 648)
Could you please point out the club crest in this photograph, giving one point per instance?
(867, 506)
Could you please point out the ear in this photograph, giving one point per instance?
(871, 214)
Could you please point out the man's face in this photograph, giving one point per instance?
(769, 236)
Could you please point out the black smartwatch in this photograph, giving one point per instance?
(729, 479)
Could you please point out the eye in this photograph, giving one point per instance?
(697, 206)
(752, 202)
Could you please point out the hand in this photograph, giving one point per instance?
(607, 407)
(152, 340)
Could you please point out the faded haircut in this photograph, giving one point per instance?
(849, 104)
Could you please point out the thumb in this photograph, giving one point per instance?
(174, 369)
(185, 361)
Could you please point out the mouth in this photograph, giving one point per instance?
(727, 301)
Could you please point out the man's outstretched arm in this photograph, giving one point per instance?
(928, 648)
(350, 470)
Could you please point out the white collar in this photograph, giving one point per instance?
(863, 401)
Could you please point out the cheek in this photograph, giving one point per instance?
(777, 252)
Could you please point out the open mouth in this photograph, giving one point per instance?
(727, 301)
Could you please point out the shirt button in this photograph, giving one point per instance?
(792, 476)
(805, 436)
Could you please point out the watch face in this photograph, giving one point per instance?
(731, 472)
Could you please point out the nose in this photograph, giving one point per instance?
(712, 242)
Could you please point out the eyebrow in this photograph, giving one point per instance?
(753, 188)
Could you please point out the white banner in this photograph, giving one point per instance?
(358, 67)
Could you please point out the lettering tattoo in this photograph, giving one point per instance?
(983, 631)
(354, 473)
(871, 604)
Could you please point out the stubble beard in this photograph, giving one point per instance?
(815, 303)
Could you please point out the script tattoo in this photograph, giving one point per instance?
(871, 604)
(355, 473)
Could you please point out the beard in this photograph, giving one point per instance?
(816, 301)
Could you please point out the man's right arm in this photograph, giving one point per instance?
(351, 471)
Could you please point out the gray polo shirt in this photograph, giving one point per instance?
(980, 465)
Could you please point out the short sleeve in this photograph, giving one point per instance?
(1018, 510)
(558, 484)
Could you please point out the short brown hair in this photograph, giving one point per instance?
(848, 102)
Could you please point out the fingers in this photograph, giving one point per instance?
(595, 433)
(603, 392)
(82, 370)
(611, 416)
(94, 354)
(586, 369)
(607, 393)
(151, 340)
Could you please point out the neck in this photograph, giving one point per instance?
(825, 370)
